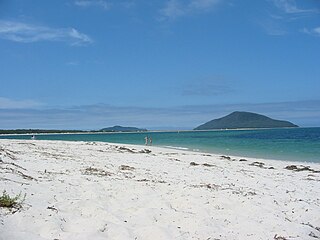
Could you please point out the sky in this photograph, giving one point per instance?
(160, 64)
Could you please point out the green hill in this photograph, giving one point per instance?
(122, 129)
(238, 120)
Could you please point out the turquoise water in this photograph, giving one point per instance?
(296, 144)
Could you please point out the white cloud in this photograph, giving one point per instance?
(313, 32)
(93, 3)
(6, 103)
(317, 31)
(173, 9)
(288, 12)
(79, 38)
(178, 8)
(27, 33)
(290, 7)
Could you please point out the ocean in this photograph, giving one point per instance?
(294, 144)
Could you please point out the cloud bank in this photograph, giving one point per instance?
(303, 113)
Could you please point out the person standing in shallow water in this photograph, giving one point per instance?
(146, 140)
(150, 140)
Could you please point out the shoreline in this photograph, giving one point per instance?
(99, 190)
(297, 152)
(189, 149)
(234, 155)
(184, 150)
(154, 131)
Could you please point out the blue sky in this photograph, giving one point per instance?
(161, 64)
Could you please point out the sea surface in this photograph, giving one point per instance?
(294, 144)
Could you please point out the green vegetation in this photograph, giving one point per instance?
(11, 202)
(237, 120)
(35, 131)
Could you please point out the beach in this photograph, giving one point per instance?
(98, 190)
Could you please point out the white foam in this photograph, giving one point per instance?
(178, 148)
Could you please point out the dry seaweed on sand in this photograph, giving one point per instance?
(96, 172)
(126, 149)
(208, 165)
(276, 237)
(194, 164)
(257, 164)
(145, 151)
(301, 168)
(207, 185)
(126, 168)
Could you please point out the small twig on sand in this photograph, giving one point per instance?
(310, 225)
(13, 164)
(20, 173)
(7, 179)
(53, 209)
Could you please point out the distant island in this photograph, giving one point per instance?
(238, 120)
(38, 131)
(51, 131)
(122, 129)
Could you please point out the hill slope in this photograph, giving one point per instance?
(237, 120)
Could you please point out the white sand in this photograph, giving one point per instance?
(157, 195)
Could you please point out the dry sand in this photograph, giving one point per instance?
(95, 190)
